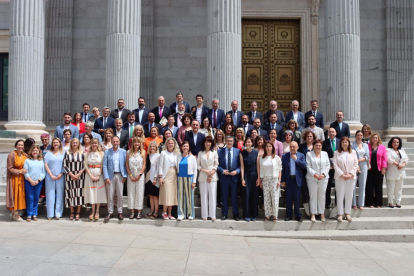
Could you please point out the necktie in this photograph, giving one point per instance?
(229, 160)
(131, 130)
(235, 118)
(313, 113)
(160, 112)
(104, 122)
(333, 145)
(253, 115)
(214, 118)
(273, 127)
(85, 118)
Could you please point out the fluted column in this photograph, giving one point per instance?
(147, 45)
(123, 50)
(400, 66)
(26, 71)
(224, 51)
(343, 61)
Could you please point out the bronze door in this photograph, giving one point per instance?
(270, 63)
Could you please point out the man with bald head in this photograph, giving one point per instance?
(279, 113)
(161, 110)
(235, 114)
(293, 163)
(296, 115)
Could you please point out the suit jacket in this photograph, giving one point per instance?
(345, 164)
(166, 111)
(318, 132)
(300, 121)
(195, 148)
(354, 146)
(300, 165)
(303, 148)
(381, 156)
(124, 116)
(341, 133)
(312, 166)
(258, 116)
(319, 119)
(210, 163)
(326, 146)
(280, 117)
(90, 117)
(110, 123)
(393, 173)
(59, 131)
(147, 129)
(249, 128)
(279, 130)
(108, 163)
(220, 117)
(123, 139)
(175, 131)
(174, 108)
(239, 114)
(144, 118)
(126, 126)
(235, 164)
(261, 132)
(203, 113)
(164, 164)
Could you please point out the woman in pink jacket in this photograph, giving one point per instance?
(278, 145)
(378, 166)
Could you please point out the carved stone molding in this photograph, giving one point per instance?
(315, 11)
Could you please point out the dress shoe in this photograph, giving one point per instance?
(120, 217)
(247, 219)
(236, 218)
(224, 217)
(288, 218)
(299, 219)
(109, 216)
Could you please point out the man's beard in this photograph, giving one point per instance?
(181, 112)
(141, 105)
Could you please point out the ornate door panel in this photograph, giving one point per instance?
(270, 63)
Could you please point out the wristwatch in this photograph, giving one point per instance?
(140, 174)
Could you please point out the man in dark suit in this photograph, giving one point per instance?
(86, 116)
(258, 128)
(170, 126)
(235, 114)
(200, 109)
(245, 124)
(130, 124)
(342, 128)
(195, 138)
(121, 111)
(279, 113)
(253, 113)
(161, 110)
(274, 125)
(229, 170)
(148, 125)
(330, 146)
(121, 133)
(104, 122)
(179, 99)
(293, 163)
(296, 115)
(141, 113)
(216, 115)
(318, 115)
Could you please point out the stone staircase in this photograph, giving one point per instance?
(378, 224)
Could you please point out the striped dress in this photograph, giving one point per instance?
(73, 188)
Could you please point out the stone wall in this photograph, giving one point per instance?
(4, 16)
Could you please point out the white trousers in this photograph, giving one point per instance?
(136, 193)
(317, 191)
(344, 191)
(208, 196)
(116, 187)
(394, 188)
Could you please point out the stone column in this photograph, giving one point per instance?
(224, 51)
(147, 45)
(343, 60)
(123, 50)
(26, 71)
(400, 67)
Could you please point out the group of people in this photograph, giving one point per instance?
(166, 152)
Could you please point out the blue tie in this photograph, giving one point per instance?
(229, 161)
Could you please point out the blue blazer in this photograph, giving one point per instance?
(189, 136)
(174, 110)
(108, 164)
(239, 114)
(144, 118)
(90, 117)
(175, 131)
(235, 164)
(319, 119)
(341, 133)
(258, 116)
(110, 123)
(300, 121)
(126, 126)
(59, 131)
(279, 131)
(220, 117)
(300, 164)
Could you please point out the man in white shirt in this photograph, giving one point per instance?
(195, 138)
(171, 126)
(312, 127)
(296, 115)
(200, 109)
(141, 113)
(67, 119)
(179, 100)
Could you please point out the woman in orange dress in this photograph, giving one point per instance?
(154, 137)
(15, 195)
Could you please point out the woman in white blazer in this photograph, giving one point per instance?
(167, 175)
(207, 163)
(346, 165)
(317, 176)
(362, 151)
(187, 178)
(395, 175)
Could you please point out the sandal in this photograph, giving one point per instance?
(35, 218)
(149, 215)
(77, 217)
(139, 215)
(96, 216)
(71, 216)
(132, 215)
(274, 219)
(29, 219)
(91, 216)
(267, 218)
(154, 215)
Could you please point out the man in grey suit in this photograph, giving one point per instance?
(67, 118)
(312, 127)
(122, 134)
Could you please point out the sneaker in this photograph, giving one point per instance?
(165, 216)
(171, 217)
(247, 219)
(180, 218)
(253, 219)
(190, 218)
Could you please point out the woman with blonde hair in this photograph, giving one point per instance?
(95, 192)
(135, 165)
(33, 180)
(152, 186)
(96, 114)
(293, 126)
(366, 132)
(154, 136)
(73, 164)
(107, 140)
(239, 140)
(138, 132)
(55, 182)
(219, 140)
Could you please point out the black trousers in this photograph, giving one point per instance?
(329, 188)
(250, 195)
(373, 188)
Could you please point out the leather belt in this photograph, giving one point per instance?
(94, 166)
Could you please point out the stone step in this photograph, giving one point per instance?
(409, 171)
(409, 150)
(408, 144)
(410, 164)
